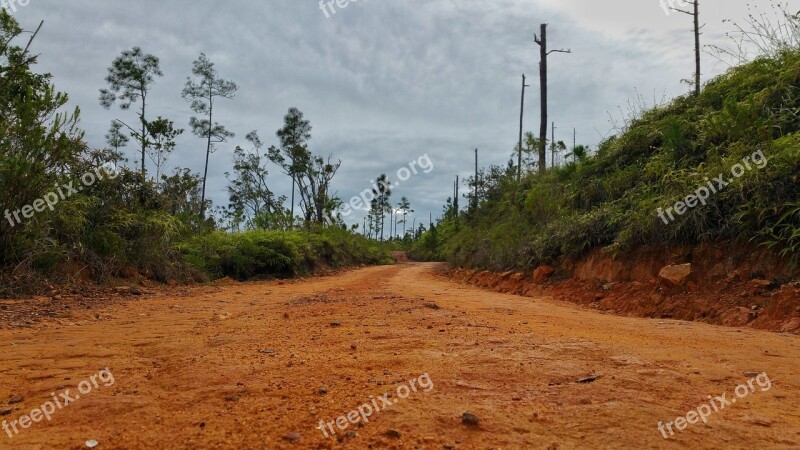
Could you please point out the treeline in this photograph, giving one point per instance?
(131, 79)
(62, 217)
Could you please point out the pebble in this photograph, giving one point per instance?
(591, 379)
(469, 419)
(292, 437)
(394, 434)
(349, 435)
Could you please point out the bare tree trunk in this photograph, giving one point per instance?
(543, 85)
(696, 17)
(144, 146)
(144, 141)
(553, 147)
(697, 47)
(294, 184)
(521, 116)
(208, 155)
(543, 81)
(475, 206)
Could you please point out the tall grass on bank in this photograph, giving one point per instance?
(609, 201)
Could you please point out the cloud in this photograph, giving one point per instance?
(382, 82)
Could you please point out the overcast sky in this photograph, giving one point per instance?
(382, 82)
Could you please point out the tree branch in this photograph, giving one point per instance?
(134, 133)
(682, 11)
(560, 51)
(25, 52)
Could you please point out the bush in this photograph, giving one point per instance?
(262, 254)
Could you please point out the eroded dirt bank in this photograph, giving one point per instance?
(736, 300)
(258, 365)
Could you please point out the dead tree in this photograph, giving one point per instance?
(475, 193)
(543, 82)
(696, 15)
(521, 117)
(553, 147)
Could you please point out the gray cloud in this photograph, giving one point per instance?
(382, 82)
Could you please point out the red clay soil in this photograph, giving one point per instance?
(259, 365)
(735, 302)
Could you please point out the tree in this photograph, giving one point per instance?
(695, 13)
(163, 134)
(293, 155)
(579, 153)
(39, 142)
(130, 78)
(316, 184)
(530, 150)
(115, 138)
(250, 196)
(181, 193)
(311, 175)
(374, 218)
(521, 119)
(556, 148)
(202, 92)
(543, 53)
(405, 207)
(381, 204)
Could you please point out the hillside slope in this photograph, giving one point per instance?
(722, 167)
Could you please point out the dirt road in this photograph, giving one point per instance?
(259, 365)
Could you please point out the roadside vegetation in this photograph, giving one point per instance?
(610, 199)
(155, 224)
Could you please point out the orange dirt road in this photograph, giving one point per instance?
(259, 365)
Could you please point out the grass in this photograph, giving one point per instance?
(609, 200)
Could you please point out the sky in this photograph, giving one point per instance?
(383, 83)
